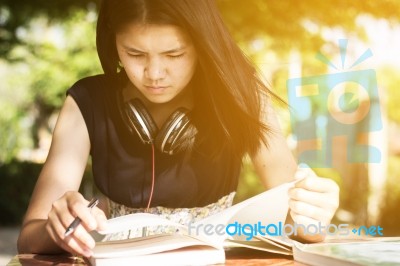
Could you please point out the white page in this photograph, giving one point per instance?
(268, 207)
(137, 220)
(145, 245)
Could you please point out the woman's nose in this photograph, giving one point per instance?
(155, 69)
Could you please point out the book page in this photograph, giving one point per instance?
(199, 255)
(137, 220)
(259, 245)
(268, 207)
(145, 245)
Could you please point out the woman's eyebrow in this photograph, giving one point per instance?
(174, 50)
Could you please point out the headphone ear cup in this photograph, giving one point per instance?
(177, 134)
(140, 120)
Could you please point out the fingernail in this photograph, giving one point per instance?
(90, 243)
(303, 165)
(92, 224)
(88, 253)
(103, 224)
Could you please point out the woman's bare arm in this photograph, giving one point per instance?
(313, 200)
(55, 200)
(274, 162)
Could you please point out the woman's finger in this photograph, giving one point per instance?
(70, 243)
(328, 201)
(101, 219)
(311, 211)
(79, 209)
(318, 184)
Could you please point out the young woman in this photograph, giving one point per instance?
(166, 126)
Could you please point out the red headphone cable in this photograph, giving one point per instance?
(152, 178)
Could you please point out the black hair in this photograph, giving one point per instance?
(229, 92)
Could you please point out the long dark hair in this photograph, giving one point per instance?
(229, 92)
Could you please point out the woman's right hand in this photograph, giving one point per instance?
(63, 212)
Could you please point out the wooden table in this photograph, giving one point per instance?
(237, 256)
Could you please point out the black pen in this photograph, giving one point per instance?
(77, 220)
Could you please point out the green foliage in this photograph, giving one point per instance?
(15, 14)
(38, 73)
(16, 185)
(17, 180)
(249, 183)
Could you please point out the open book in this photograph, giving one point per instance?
(201, 242)
(204, 242)
(369, 251)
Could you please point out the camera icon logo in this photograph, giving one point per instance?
(343, 104)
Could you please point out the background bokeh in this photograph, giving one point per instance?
(45, 46)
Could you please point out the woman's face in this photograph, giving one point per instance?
(160, 60)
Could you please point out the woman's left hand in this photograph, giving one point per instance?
(313, 200)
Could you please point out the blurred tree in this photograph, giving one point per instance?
(298, 24)
(390, 80)
(48, 60)
(258, 25)
(289, 23)
(50, 64)
(16, 14)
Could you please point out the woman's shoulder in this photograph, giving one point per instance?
(92, 95)
(90, 82)
(96, 86)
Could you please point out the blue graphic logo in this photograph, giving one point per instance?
(344, 104)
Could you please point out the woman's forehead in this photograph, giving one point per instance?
(153, 36)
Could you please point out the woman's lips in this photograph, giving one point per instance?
(156, 89)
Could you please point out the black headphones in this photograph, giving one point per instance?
(177, 134)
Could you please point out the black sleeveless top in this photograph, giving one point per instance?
(122, 164)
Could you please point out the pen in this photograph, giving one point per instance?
(77, 220)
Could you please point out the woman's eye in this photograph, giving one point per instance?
(136, 55)
(175, 56)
